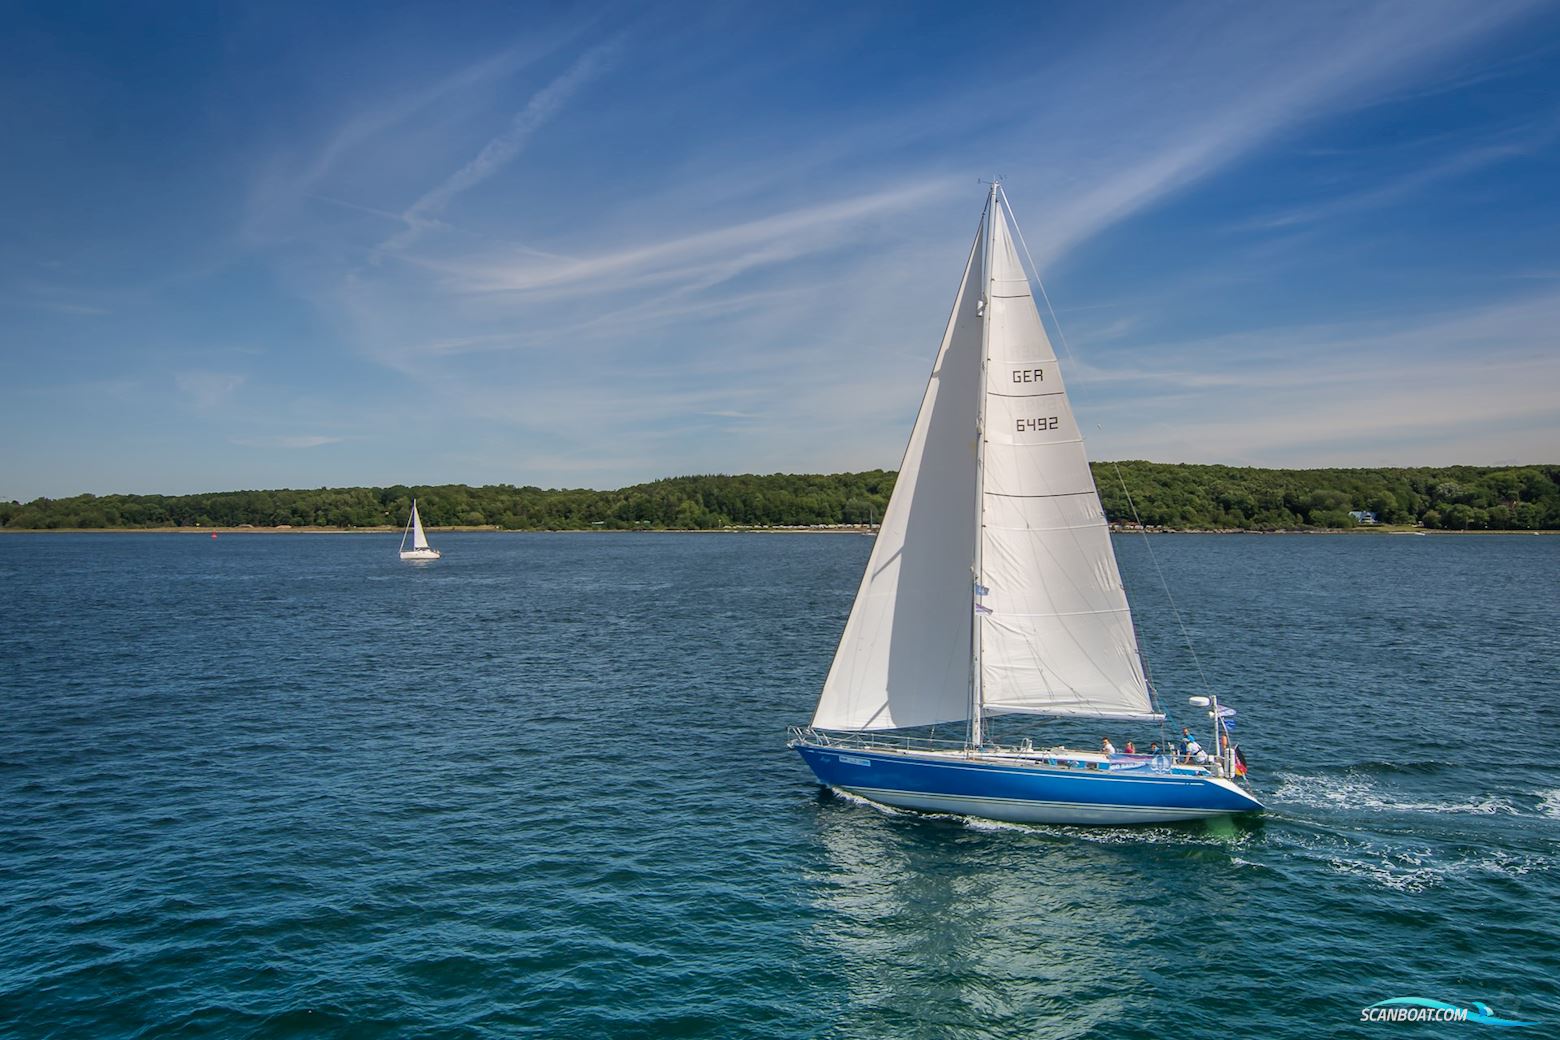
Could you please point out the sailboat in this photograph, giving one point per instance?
(992, 589)
(420, 549)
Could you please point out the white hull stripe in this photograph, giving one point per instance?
(992, 807)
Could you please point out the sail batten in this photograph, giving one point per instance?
(1012, 495)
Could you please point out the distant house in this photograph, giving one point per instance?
(1364, 516)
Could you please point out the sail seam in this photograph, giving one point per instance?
(1065, 613)
(1137, 716)
(1043, 530)
(1039, 444)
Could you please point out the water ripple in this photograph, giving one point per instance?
(284, 786)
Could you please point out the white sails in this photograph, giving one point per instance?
(420, 549)
(419, 539)
(1058, 637)
(904, 659)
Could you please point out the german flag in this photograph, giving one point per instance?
(1240, 761)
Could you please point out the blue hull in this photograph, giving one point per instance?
(1024, 793)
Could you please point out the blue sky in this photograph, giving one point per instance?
(289, 245)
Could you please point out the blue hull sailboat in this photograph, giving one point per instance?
(992, 589)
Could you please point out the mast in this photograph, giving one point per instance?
(977, 737)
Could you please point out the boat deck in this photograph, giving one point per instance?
(1060, 757)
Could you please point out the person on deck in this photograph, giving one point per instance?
(1106, 746)
(1130, 749)
(1193, 750)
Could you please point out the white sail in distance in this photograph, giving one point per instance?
(419, 540)
(1011, 509)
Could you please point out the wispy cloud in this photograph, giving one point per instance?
(292, 175)
(35, 293)
(700, 259)
(1195, 133)
(289, 441)
(1340, 393)
(366, 125)
(501, 150)
(208, 390)
(1404, 187)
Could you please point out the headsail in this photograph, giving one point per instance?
(1059, 637)
(419, 540)
(904, 659)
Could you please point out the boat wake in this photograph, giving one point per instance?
(1419, 869)
(1192, 833)
(1424, 767)
(1354, 790)
(1549, 803)
(886, 810)
(974, 823)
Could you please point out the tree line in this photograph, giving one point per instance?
(1175, 496)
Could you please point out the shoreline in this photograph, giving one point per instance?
(833, 529)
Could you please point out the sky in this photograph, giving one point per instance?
(300, 245)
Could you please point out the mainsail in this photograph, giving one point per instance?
(1059, 637)
(1013, 514)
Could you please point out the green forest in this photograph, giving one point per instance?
(1166, 495)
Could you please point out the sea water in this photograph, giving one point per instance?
(277, 786)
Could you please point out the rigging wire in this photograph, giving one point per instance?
(1073, 361)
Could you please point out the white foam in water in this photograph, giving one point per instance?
(1549, 803)
(1402, 873)
(975, 823)
(1416, 869)
(1498, 862)
(972, 822)
(1352, 791)
(1102, 835)
(856, 799)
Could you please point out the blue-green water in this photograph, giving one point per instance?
(288, 786)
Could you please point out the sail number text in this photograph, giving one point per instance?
(1029, 375)
(1036, 425)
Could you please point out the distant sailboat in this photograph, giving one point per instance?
(993, 589)
(420, 549)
